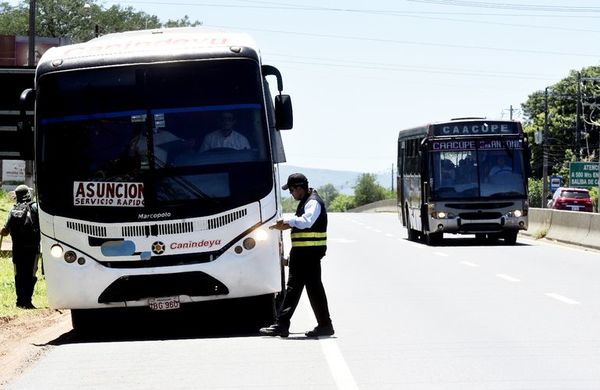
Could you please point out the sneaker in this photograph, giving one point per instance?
(275, 330)
(321, 330)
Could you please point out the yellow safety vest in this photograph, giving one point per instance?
(303, 239)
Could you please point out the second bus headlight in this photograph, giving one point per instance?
(515, 213)
(442, 215)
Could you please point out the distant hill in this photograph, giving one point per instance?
(343, 181)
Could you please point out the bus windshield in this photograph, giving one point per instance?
(477, 168)
(156, 136)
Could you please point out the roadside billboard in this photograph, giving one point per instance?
(583, 174)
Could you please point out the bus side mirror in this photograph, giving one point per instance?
(284, 118)
(25, 125)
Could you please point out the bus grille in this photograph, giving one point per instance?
(155, 230)
(481, 227)
(223, 220)
(480, 206)
(97, 231)
(161, 229)
(479, 216)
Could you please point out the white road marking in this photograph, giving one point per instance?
(441, 254)
(389, 235)
(337, 365)
(508, 278)
(335, 360)
(563, 299)
(469, 264)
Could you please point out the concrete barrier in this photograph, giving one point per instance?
(593, 237)
(382, 206)
(539, 222)
(570, 227)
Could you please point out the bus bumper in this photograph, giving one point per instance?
(455, 221)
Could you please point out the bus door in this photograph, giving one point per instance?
(425, 183)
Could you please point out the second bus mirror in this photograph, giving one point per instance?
(284, 118)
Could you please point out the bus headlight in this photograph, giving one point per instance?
(56, 251)
(442, 215)
(249, 243)
(261, 235)
(515, 213)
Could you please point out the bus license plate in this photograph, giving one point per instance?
(165, 303)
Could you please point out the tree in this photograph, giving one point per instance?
(367, 190)
(289, 204)
(535, 192)
(328, 193)
(78, 20)
(561, 136)
(342, 203)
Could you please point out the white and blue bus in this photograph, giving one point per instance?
(135, 209)
(463, 176)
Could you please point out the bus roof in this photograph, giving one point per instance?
(463, 126)
(148, 45)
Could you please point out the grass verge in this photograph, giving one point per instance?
(8, 296)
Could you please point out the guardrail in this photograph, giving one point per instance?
(571, 227)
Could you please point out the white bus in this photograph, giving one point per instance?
(463, 176)
(137, 209)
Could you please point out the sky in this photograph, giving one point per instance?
(358, 71)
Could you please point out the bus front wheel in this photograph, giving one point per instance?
(510, 237)
(434, 238)
(413, 235)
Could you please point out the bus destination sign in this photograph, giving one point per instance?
(476, 128)
(472, 144)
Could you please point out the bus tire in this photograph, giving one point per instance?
(510, 237)
(259, 310)
(413, 235)
(434, 238)
(84, 321)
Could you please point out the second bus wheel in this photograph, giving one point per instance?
(434, 238)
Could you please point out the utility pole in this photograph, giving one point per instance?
(30, 62)
(578, 117)
(545, 151)
(593, 79)
(31, 59)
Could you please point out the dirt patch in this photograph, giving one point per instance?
(23, 339)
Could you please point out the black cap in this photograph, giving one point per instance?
(295, 180)
(23, 193)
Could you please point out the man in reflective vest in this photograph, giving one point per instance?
(309, 244)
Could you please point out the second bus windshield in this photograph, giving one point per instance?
(493, 168)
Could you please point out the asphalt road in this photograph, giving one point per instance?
(462, 315)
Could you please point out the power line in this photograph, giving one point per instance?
(349, 64)
(528, 7)
(386, 12)
(414, 43)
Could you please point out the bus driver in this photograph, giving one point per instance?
(226, 136)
